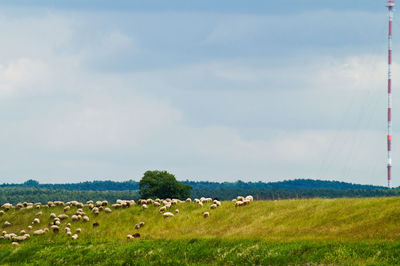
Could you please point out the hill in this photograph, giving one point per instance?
(358, 231)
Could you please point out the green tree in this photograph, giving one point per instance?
(161, 184)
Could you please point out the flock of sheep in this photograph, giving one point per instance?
(96, 208)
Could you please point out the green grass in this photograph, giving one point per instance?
(339, 231)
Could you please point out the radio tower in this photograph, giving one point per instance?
(390, 5)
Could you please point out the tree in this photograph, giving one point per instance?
(161, 184)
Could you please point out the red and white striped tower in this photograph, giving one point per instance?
(390, 5)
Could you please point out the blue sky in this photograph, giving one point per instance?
(208, 90)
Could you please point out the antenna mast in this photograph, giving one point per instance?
(390, 5)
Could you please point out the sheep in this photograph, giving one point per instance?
(141, 224)
(75, 218)
(78, 230)
(86, 218)
(129, 237)
(75, 236)
(52, 215)
(206, 214)
(36, 221)
(67, 208)
(2, 213)
(189, 200)
(15, 244)
(96, 224)
(38, 232)
(57, 222)
(67, 229)
(30, 227)
(213, 206)
(137, 226)
(69, 233)
(63, 216)
(249, 198)
(22, 232)
(168, 214)
(55, 228)
(39, 213)
(201, 204)
(107, 210)
(144, 206)
(104, 203)
(176, 211)
(238, 203)
(7, 206)
(136, 235)
(240, 198)
(7, 223)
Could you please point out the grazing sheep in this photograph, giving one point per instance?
(15, 244)
(213, 206)
(67, 208)
(107, 210)
(7, 206)
(63, 216)
(53, 215)
(129, 237)
(22, 232)
(30, 227)
(240, 198)
(55, 228)
(136, 235)
(188, 200)
(238, 203)
(38, 232)
(7, 223)
(78, 230)
(96, 224)
(157, 204)
(57, 222)
(168, 214)
(68, 225)
(75, 237)
(2, 213)
(86, 218)
(141, 224)
(75, 218)
(176, 211)
(201, 204)
(137, 226)
(69, 233)
(206, 214)
(163, 209)
(249, 198)
(36, 221)
(67, 229)
(39, 213)
(144, 206)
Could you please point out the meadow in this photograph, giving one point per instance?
(320, 231)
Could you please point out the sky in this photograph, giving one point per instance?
(207, 90)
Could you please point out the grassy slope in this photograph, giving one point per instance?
(356, 230)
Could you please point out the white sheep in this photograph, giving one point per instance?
(86, 218)
(206, 214)
(78, 230)
(7, 223)
(107, 210)
(74, 236)
(36, 221)
(144, 206)
(213, 206)
(38, 232)
(168, 214)
(176, 211)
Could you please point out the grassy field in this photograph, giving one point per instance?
(340, 231)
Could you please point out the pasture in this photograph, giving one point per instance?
(342, 231)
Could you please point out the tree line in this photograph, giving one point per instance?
(201, 185)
